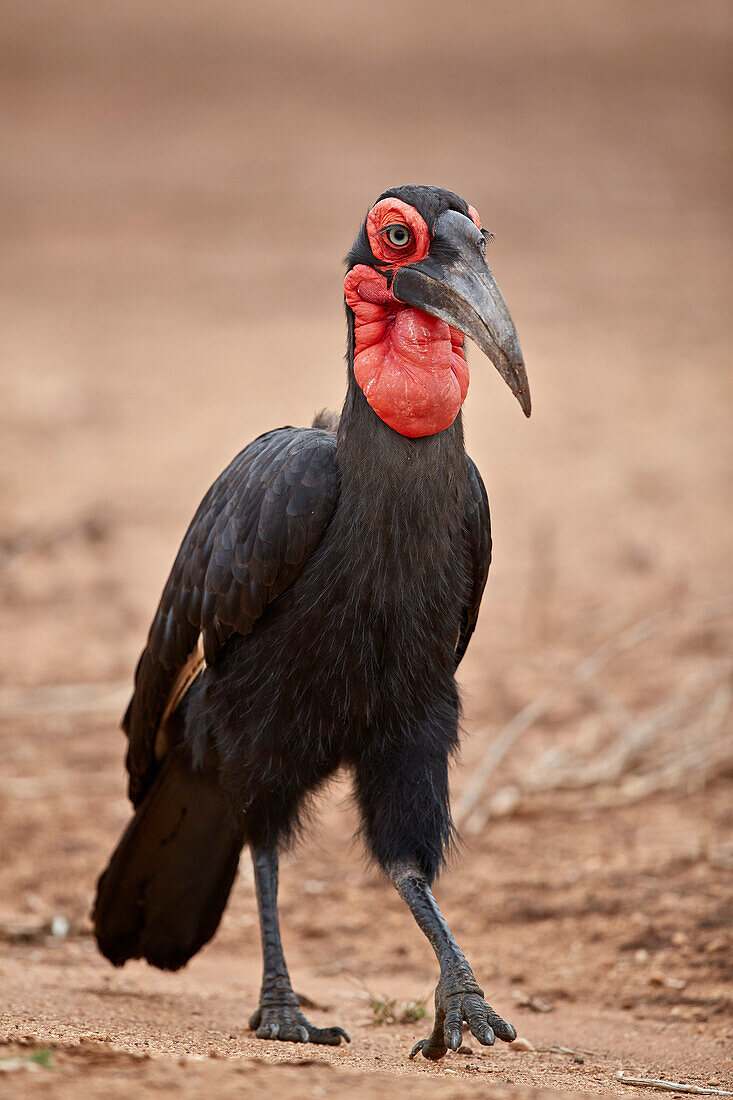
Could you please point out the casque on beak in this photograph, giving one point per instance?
(454, 283)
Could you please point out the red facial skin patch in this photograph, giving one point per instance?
(473, 214)
(389, 212)
(410, 366)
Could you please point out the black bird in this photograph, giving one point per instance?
(321, 600)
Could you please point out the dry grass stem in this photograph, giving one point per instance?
(671, 1086)
(633, 735)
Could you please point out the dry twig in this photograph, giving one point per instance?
(634, 737)
(671, 1086)
(579, 1053)
(580, 676)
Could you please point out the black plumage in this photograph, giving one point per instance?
(322, 597)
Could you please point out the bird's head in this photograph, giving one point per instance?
(418, 283)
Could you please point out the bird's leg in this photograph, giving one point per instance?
(279, 1015)
(402, 790)
(458, 996)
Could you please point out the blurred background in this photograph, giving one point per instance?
(178, 186)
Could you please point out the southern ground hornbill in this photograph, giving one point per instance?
(320, 602)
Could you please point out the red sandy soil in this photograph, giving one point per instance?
(182, 182)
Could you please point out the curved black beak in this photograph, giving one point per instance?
(454, 283)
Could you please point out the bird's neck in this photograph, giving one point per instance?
(410, 366)
(408, 484)
(398, 527)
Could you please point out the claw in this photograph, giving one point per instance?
(288, 1024)
(451, 1009)
(504, 1031)
(432, 1053)
(268, 1031)
(486, 1037)
(328, 1036)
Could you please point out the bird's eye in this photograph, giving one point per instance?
(398, 235)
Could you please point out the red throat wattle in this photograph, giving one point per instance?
(410, 366)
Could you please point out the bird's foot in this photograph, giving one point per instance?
(457, 999)
(283, 1020)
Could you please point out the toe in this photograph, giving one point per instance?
(293, 1033)
(267, 1031)
(478, 1017)
(430, 1050)
(291, 1026)
(485, 1034)
(452, 1039)
(433, 1048)
(504, 1031)
(453, 1025)
(328, 1036)
(433, 1053)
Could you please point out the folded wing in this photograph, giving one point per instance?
(250, 537)
(477, 536)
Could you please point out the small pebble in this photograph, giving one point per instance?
(520, 1043)
(675, 983)
(59, 926)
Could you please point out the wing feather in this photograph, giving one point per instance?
(254, 530)
(477, 537)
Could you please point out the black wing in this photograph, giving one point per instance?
(254, 530)
(477, 535)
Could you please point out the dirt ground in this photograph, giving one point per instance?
(178, 186)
